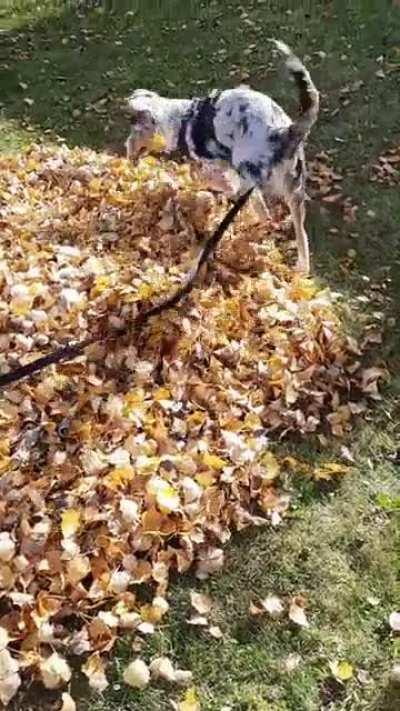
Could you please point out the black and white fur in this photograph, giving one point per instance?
(243, 127)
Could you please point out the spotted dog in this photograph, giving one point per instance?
(243, 127)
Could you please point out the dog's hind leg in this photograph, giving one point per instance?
(298, 213)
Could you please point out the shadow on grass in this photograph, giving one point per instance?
(74, 65)
(65, 71)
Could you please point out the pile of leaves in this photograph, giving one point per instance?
(141, 458)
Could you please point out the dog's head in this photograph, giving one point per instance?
(144, 108)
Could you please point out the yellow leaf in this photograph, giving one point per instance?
(341, 670)
(4, 464)
(271, 464)
(121, 476)
(166, 497)
(70, 522)
(190, 701)
(5, 447)
(205, 479)
(214, 462)
(35, 289)
(95, 185)
(162, 394)
(196, 418)
(157, 143)
(146, 291)
(21, 306)
(328, 470)
(251, 421)
(101, 283)
(303, 290)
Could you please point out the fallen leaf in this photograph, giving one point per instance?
(183, 677)
(329, 470)
(7, 547)
(190, 701)
(70, 522)
(291, 662)
(10, 680)
(162, 668)
(394, 621)
(95, 672)
(343, 671)
(201, 603)
(198, 621)
(214, 462)
(55, 671)
(273, 605)
(215, 632)
(297, 613)
(137, 674)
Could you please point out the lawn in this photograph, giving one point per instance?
(62, 76)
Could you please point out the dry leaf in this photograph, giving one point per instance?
(201, 603)
(215, 632)
(55, 671)
(330, 470)
(394, 621)
(162, 668)
(273, 605)
(137, 674)
(183, 677)
(7, 547)
(70, 522)
(10, 681)
(211, 561)
(297, 613)
(198, 621)
(95, 672)
(291, 662)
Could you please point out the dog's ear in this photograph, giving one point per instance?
(142, 118)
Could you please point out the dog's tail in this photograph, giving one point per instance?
(309, 97)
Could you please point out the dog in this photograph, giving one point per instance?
(242, 127)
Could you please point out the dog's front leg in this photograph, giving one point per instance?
(218, 177)
(260, 206)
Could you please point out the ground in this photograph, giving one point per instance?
(62, 75)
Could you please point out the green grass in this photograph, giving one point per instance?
(340, 547)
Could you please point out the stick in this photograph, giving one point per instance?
(73, 350)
